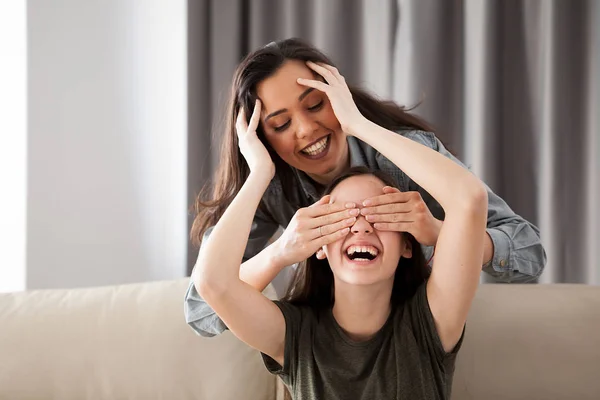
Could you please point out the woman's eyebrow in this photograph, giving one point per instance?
(300, 98)
(305, 93)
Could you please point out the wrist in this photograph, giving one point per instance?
(276, 256)
(358, 128)
(262, 176)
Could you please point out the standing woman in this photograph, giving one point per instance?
(309, 147)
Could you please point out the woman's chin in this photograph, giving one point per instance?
(362, 275)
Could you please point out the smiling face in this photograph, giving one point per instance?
(300, 124)
(365, 256)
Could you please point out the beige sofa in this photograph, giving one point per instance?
(131, 342)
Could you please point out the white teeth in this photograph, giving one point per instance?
(317, 148)
(362, 249)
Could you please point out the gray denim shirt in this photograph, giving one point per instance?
(518, 252)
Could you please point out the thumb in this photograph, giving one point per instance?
(321, 254)
(322, 200)
(390, 189)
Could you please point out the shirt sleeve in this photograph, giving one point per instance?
(198, 314)
(424, 328)
(293, 323)
(518, 252)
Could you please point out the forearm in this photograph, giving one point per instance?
(258, 272)
(438, 175)
(261, 269)
(220, 257)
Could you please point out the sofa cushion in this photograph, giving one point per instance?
(120, 342)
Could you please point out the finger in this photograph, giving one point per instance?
(334, 217)
(336, 226)
(388, 209)
(255, 117)
(332, 237)
(240, 122)
(324, 72)
(397, 197)
(322, 200)
(323, 87)
(333, 70)
(391, 189)
(395, 217)
(318, 210)
(394, 226)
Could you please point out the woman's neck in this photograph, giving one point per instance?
(362, 310)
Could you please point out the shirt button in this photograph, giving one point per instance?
(502, 263)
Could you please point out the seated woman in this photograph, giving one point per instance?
(363, 319)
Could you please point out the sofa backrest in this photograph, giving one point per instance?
(122, 342)
(531, 342)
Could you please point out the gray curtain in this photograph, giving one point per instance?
(512, 87)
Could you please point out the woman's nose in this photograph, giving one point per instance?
(362, 226)
(305, 126)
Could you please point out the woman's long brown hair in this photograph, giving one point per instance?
(215, 196)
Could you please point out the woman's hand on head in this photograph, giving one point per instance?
(254, 151)
(339, 95)
(402, 212)
(313, 227)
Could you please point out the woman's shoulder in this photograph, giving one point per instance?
(298, 317)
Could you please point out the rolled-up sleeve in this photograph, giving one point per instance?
(518, 252)
(198, 314)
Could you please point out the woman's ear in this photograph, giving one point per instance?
(321, 254)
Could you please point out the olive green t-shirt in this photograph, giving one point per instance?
(403, 360)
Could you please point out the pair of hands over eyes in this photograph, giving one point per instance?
(323, 222)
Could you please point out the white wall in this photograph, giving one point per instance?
(13, 144)
(107, 142)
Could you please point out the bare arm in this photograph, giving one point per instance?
(217, 272)
(460, 193)
(460, 247)
(217, 276)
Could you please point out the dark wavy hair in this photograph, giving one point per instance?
(232, 172)
(313, 283)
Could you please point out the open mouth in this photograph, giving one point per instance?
(362, 254)
(318, 149)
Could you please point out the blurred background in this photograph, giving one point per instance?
(110, 113)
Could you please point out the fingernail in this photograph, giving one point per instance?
(350, 205)
(353, 211)
(350, 220)
(367, 203)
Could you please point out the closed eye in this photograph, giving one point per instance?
(316, 107)
(281, 127)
